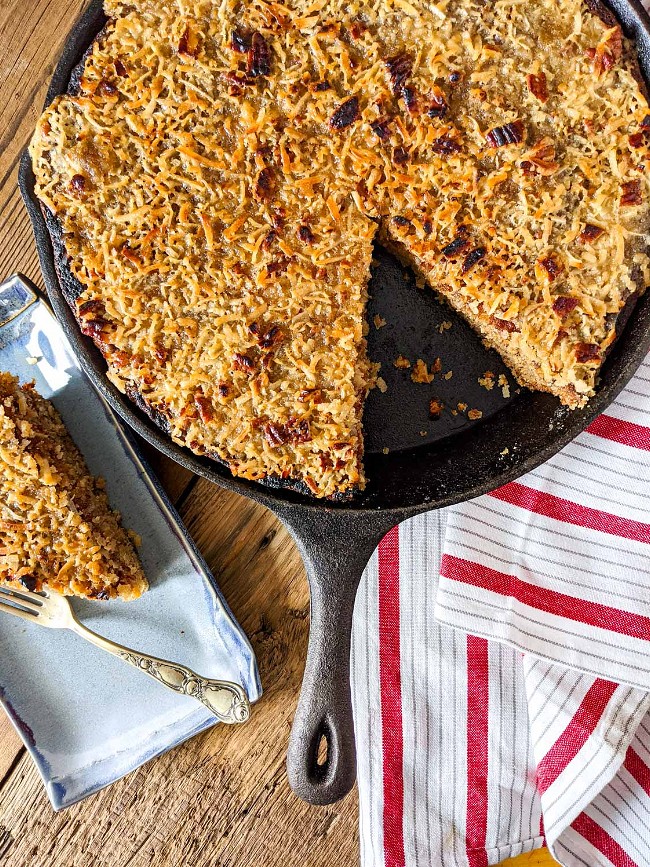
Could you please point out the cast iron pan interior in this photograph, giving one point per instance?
(429, 463)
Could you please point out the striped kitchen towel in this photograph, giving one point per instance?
(501, 666)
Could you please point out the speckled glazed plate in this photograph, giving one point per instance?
(86, 718)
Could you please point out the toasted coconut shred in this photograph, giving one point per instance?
(56, 525)
(223, 169)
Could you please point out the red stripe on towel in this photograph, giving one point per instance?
(543, 599)
(391, 699)
(477, 750)
(571, 513)
(576, 734)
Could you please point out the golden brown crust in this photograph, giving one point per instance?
(57, 527)
(220, 176)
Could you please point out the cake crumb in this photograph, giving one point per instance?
(487, 380)
(461, 407)
(381, 385)
(445, 326)
(420, 372)
(402, 363)
(423, 433)
(385, 450)
(435, 408)
(379, 321)
(474, 414)
(506, 451)
(505, 386)
(449, 374)
(31, 360)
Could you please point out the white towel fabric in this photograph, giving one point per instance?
(501, 666)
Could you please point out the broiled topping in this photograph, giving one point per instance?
(402, 222)
(305, 234)
(278, 266)
(455, 77)
(504, 324)
(563, 305)
(223, 389)
(161, 352)
(204, 406)
(93, 308)
(241, 361)
(590, 233)
(263, 186)
(78, 184)
(272, 337)
(455, 247)
(293, 432)
(540, 159)
(609, 51)
(410, 97)
(107, 88)
(550, 267)
(509, 133)
(537, 86)
(278, 218)
(400, 156)
(240, 41)
(312, 395)
(259, 56)
(473, 258)
(645, 123)
(399, 68)
(320, 86)
(346, 114)
(269, 240)
(439, 106)
(445, 146)
(120, 68)
(631, 194)
(435, 408)
(427, 226)
(380, 128)
(189, 43)
(586, 352)
(637, 140)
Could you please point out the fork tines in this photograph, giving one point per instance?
(22, 603)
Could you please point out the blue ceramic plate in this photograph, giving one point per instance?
(86, 718)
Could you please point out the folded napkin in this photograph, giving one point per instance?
(501, 666)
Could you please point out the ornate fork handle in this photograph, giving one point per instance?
(226, 700)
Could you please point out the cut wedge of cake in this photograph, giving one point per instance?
(216, 176)
(56, 524)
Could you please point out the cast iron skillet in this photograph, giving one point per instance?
(429, 464)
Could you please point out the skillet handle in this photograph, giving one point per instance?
(335, 548)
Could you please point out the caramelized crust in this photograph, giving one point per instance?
(223, 169)
(56, 525)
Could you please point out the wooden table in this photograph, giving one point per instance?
(223, 798)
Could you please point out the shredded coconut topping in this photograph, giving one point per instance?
(222, 171)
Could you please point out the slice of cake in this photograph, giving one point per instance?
(56, 524)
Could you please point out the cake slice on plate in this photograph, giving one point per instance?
(56, 524)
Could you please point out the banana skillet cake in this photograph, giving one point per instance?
(56, 525)
(218, 171)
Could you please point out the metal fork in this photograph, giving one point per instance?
(226, 700)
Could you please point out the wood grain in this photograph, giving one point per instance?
(221, 799)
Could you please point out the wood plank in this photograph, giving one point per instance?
(10, 748)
